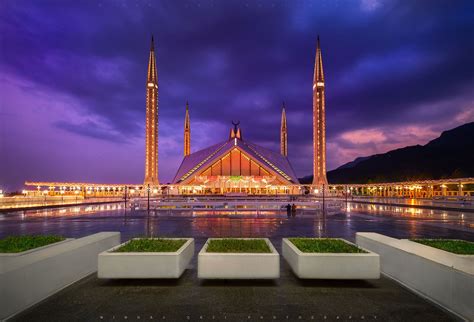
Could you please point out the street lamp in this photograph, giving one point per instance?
(148, 193)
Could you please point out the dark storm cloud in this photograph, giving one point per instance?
(385, 62)
(90, 129)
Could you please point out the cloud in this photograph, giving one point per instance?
(369, 5)
(364, 136)
(92, 129)
(349, 145)
(79, 70)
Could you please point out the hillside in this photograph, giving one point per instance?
(449, 156)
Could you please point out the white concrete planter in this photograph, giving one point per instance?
(445, 278)
(29, 277)
(146, 264)
(463, 263)
(331, 266)
(239, 265)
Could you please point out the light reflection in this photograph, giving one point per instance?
(70, 211)
(451, 217)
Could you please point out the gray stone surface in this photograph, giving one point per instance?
(375, 300)
(137, 300)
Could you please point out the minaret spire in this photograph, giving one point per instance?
(283, 133)
(151, 134)
(187, 132)
(319, 121)
(318, 65)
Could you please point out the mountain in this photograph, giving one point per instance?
(353, 163)
(449, 156)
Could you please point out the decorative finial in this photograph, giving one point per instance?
(235, 125)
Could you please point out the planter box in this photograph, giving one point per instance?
(145, 264)
(460, 262)
(442, 277)
(331, 265)
(31, 276)
(239, 265)
(12, 260)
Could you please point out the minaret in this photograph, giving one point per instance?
(319, 122)
(151, 135)
(187, 132)
(283, 133)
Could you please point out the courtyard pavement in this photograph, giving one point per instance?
(191, 299)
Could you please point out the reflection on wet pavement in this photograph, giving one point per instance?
(341, 220)
(467, 204)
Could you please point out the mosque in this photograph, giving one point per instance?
(231, 166)
(235, 166)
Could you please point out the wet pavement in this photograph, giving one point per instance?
(191, 299)
(340, 220)
(466, 204)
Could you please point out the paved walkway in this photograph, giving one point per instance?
(191, 299)
(137, 300)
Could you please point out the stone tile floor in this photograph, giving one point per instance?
(399, 222)
(191, 299)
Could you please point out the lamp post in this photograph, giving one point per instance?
(324, 205)
(148, 193)
(324, 188)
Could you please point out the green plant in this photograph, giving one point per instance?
(157, 245)
(232, 245)
(324, 245)
(455, 246)
(17, 244)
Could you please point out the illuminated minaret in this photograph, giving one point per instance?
(187, 132)
(151, 135)
(283, 133)
(319, 122)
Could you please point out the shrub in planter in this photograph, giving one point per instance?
(238, 258)
(456, 246)
(329, 258)
(147, 258)
(18, 244)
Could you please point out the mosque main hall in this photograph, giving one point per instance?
(235, 165)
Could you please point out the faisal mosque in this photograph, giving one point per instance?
(235, 165)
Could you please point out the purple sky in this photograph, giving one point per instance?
(72, 79)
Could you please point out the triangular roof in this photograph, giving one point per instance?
(200, 160)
